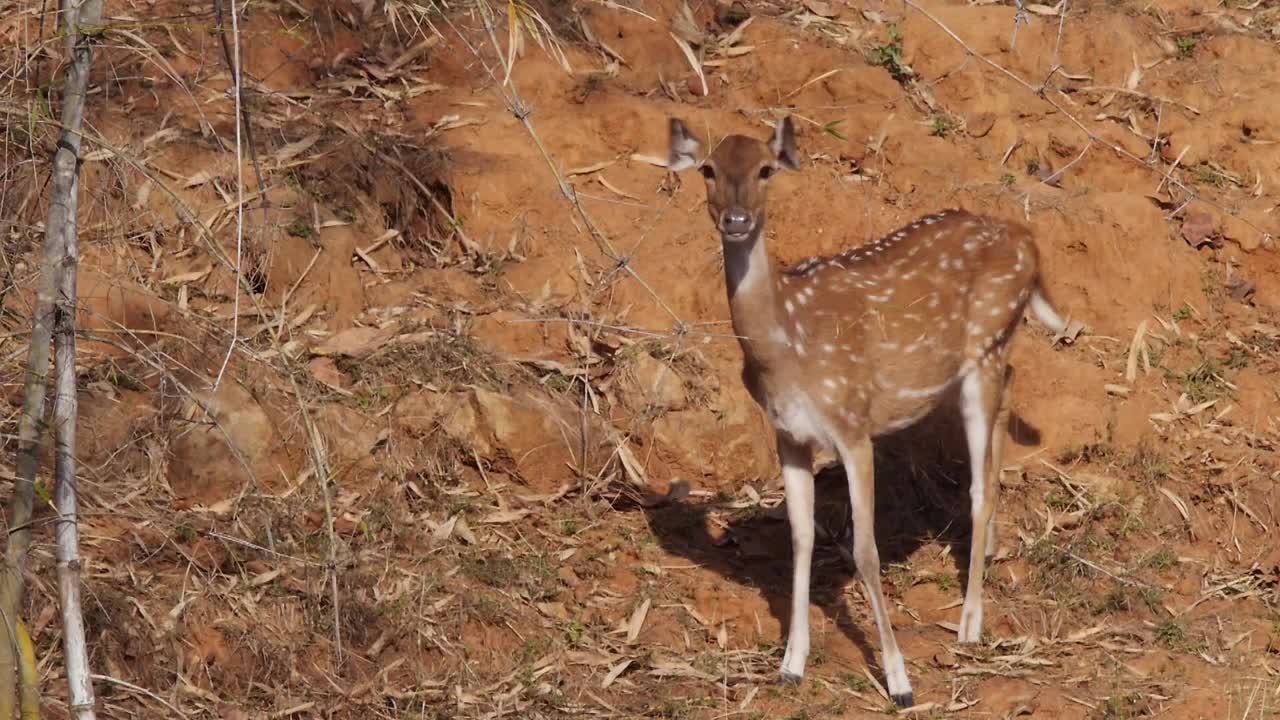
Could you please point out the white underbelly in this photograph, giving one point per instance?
(798, 417)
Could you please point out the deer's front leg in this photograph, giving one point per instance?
(797, 481)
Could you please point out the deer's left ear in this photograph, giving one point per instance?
(783, 144)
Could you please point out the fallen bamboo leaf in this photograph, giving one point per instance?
(199, 178)
(463, 530)
(684, 25)
(506, 516)
(188, 277)
(693, 61)
(1045, 10)
(820, 8)
(265, 577)
(811, 81)
(293, 149)
(355, 342)
(615, 671)
(620, 193)
(1177, 503)
(649, 159)
(1131, 368)
(588, 169)
(636, 622)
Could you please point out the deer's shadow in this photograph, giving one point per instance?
(922, 495)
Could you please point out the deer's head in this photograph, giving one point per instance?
(736, 173)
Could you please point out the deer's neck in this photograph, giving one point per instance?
(753, 299)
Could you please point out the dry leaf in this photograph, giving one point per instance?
(613, 189)
(188, 277)
(877, 12)
(445, 530)
(355, 342)
(1048, 175)
(199, 178)
(555, 610)
(326, 371)
(684, 26)
(637, 620)
(504, 516)
(1045, 9)
(614, 672)
(1177, 503)
(653, 160)
(1240, 289)
(693, 61)
(292, 150)
(1135, 347)
(1198, 229)
(463, 530)
(979, 124)
(820, 8)
(588, 169)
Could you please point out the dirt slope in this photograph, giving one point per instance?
(481, 309)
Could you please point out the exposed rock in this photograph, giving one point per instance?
(538, 438)
(202, 469)
(648, 382)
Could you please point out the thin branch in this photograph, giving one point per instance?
(239, 116)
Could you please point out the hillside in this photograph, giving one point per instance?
(481, 448)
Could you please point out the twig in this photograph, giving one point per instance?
(314, 447)
(141, 691)
(235, 83)
(242, 111)
(1139, 93)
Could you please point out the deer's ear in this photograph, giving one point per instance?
(685, 149)
(783, 144)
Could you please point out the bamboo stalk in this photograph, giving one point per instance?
(62, 247)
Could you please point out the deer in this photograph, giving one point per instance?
(842, 349)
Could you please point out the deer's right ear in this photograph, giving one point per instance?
(685, 150)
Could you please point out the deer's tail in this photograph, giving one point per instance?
(1043, 309)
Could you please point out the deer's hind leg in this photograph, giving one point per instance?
(982, 393)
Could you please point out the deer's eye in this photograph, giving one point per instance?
(707, 172)
(766, 172)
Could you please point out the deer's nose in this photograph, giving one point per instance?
(735, 221)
